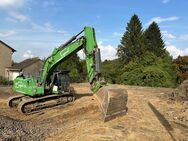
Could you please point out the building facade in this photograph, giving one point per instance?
(5, 57)
(29, 68)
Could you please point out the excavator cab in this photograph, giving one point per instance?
(60, 82)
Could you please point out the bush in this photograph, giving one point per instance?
(180, 66)
(4, 81)
(156, 77)
(111, 71)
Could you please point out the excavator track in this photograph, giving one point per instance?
(14, 101)
(28, 105)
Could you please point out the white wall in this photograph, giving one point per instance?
(14, 75)
(11, 75)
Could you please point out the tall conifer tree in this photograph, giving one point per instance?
(131, 45)
(153, 40)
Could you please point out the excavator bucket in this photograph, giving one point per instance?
(112, 102)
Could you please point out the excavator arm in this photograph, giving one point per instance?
(76, 43)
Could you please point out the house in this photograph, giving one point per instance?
(5, 57)
(29, 67)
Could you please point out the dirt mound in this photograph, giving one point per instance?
(180, 93)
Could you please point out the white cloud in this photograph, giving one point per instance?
(11, 20)
(108, 52)
(7, 33)
(48, 3)
(167, 35)
(62, 31)
(167, 43)
(160, 19)
(116, 34)
(28, 54)
(165, 1)
(184, 37)
(18, 16)
(9, 4)
(175, 52)
(46, 27)
(81, 54)
(11, 7)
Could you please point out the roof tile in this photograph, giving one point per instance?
(24, 64)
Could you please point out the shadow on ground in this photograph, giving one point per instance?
(162, 120)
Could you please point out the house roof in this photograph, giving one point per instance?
(24, 64)
(13, 50)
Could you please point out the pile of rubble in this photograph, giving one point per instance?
(180, 93)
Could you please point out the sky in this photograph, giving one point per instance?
(35, 27)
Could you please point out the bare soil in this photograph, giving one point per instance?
(151, 117)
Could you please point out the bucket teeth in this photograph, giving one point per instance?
(112, 102)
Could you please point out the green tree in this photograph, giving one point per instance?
(75, 66)
(147, 61)
(111, 71)
(131, 44)
(153, 40)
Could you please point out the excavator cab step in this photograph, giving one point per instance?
(112, 102)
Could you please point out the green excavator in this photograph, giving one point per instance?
(53, 87)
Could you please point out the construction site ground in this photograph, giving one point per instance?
(151, 116)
